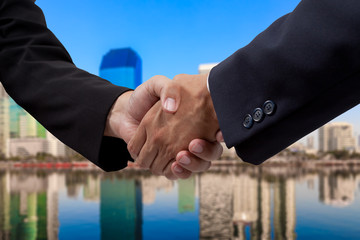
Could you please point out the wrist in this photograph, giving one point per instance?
(210, 106)
(196, 102)
(117, 116)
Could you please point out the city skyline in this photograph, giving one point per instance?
(23, 136)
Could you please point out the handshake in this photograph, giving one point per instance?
(170, 126)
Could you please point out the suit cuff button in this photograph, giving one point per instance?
(258, 115)
(269, 107)
(248, 121)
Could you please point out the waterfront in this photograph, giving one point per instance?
(227, 202)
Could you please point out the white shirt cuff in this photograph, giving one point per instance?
(207, 81)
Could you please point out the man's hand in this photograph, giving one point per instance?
(130, 108)
(161, 135)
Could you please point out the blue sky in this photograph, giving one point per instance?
(172, 36)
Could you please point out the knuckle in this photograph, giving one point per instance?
(156, 171)
(142, 164)
(157, 137)
(179, 76)
(185, 175)
(207, 166)
(167, 88)
(131, 149)
(175, 88)
(219, 152)
(169, 175)
(154, 78)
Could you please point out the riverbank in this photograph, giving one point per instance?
(217, 165)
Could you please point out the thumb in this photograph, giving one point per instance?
(219, 136)
(147, 94)
(170, 97)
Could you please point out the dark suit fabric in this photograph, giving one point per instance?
(307, 62)
(38, 73)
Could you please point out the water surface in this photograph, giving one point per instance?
(225, 203)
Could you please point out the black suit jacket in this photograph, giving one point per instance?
(38, 73)
(307, 63)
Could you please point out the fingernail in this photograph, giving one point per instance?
(170, 104)
(185, 160)
(178, 169)
(197, 148)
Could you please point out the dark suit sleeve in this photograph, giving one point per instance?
(306, 62)
(38, 73)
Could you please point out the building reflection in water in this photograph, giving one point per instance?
(120, 209)
(28, 206)
(232, 205)
(284, 209)
(186, 195)
(337, 189)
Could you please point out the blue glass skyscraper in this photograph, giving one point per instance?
(122, 67)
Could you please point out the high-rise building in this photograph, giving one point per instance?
(206, 67)
(310, 142)
(15, 112)
(30, 128)
(122, 67)
(54, 146)
(21, 134)
(4, 120)
(336, 136)
(22, 124)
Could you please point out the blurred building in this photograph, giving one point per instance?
(310, 142)
(206, 67)
(22, 124)
(54, 146)
(299, 147)
(31, 146)
(24, 147)
(20, 133)
(122, 67)
(337, 190)
(336, 136)
(4, 120)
